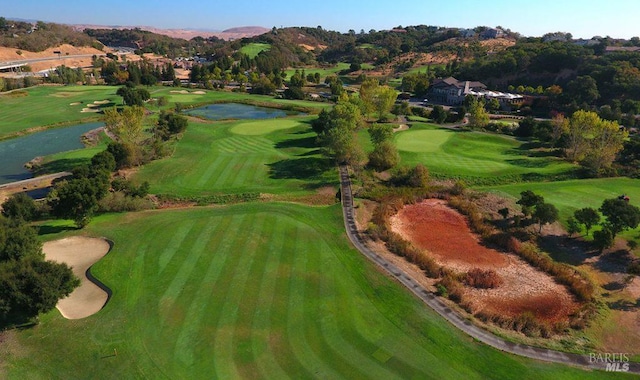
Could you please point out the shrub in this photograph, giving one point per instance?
(482, 279)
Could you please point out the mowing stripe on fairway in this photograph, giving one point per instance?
(172, 247)
(243, 335)
(211, 169)
(266, 351)
(226, 367)
(302, 344)
(195, 314)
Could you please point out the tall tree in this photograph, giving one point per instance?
(620, 215)
(581, 126)
(384, 98)
(478, 116)
(125, 125)
(587, 216)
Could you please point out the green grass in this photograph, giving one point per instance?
(252, 291)
(66, 161)
(423, 69)
(569, 196)
(46, 106)
(268, 156)
(324, 72)
(475, 157)
(51, 105)
(209, 96)
(254, 48)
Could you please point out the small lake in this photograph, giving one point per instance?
(226, 111)
(14, 153)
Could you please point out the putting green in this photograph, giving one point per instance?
(263, 127)
(423, 141)
(474, 156)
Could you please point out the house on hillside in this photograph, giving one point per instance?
(492, 33)
(451, 91)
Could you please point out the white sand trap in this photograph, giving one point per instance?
(199, 92)
(80, 253)
(74, 103)
(179, 92)
(101, 101)
(84, 110)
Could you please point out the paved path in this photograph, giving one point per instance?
(26, 182)
(449, 314)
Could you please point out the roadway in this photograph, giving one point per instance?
(451, 315)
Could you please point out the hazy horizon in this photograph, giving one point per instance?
(583, 19)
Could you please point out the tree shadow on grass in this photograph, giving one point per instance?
(305, 142)
(528, 163)
(566, 250)
(61, 165)
(308, 168)
(48, 230)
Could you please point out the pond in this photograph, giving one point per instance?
(14, 153)
(226, 111)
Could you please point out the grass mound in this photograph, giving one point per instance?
(476, 157)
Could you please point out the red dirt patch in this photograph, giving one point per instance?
(444, 232)
(433, 226)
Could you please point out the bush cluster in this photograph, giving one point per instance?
(482, 279)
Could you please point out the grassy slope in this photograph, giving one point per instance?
(267, 156)
(473, 156)
(253, 49)
(50, 105)
(569, 196)
(193, 298)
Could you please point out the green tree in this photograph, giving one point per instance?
(478, 116)
(368, 93)
(103, 161)
(588, 217)
(620, 215)
(603, 239)
(573, 227)
(125, 125)
(18, 240)
(384, 156)
(581, 125)
(20, 206)
(604, 145)
(122, 153)
(528, 201)
(170, 124)
(77, 199)
(439, 114)
(545, 213)
(32, 286)
(380, 132)
(384, 98)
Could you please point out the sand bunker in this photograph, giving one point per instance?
(433, 226)
(80, 253)
(185, 92)
(85, 110)
(101, 101)
(75, 103)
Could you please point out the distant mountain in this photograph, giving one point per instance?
(187, 34)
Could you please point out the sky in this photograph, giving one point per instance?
(581, 18)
